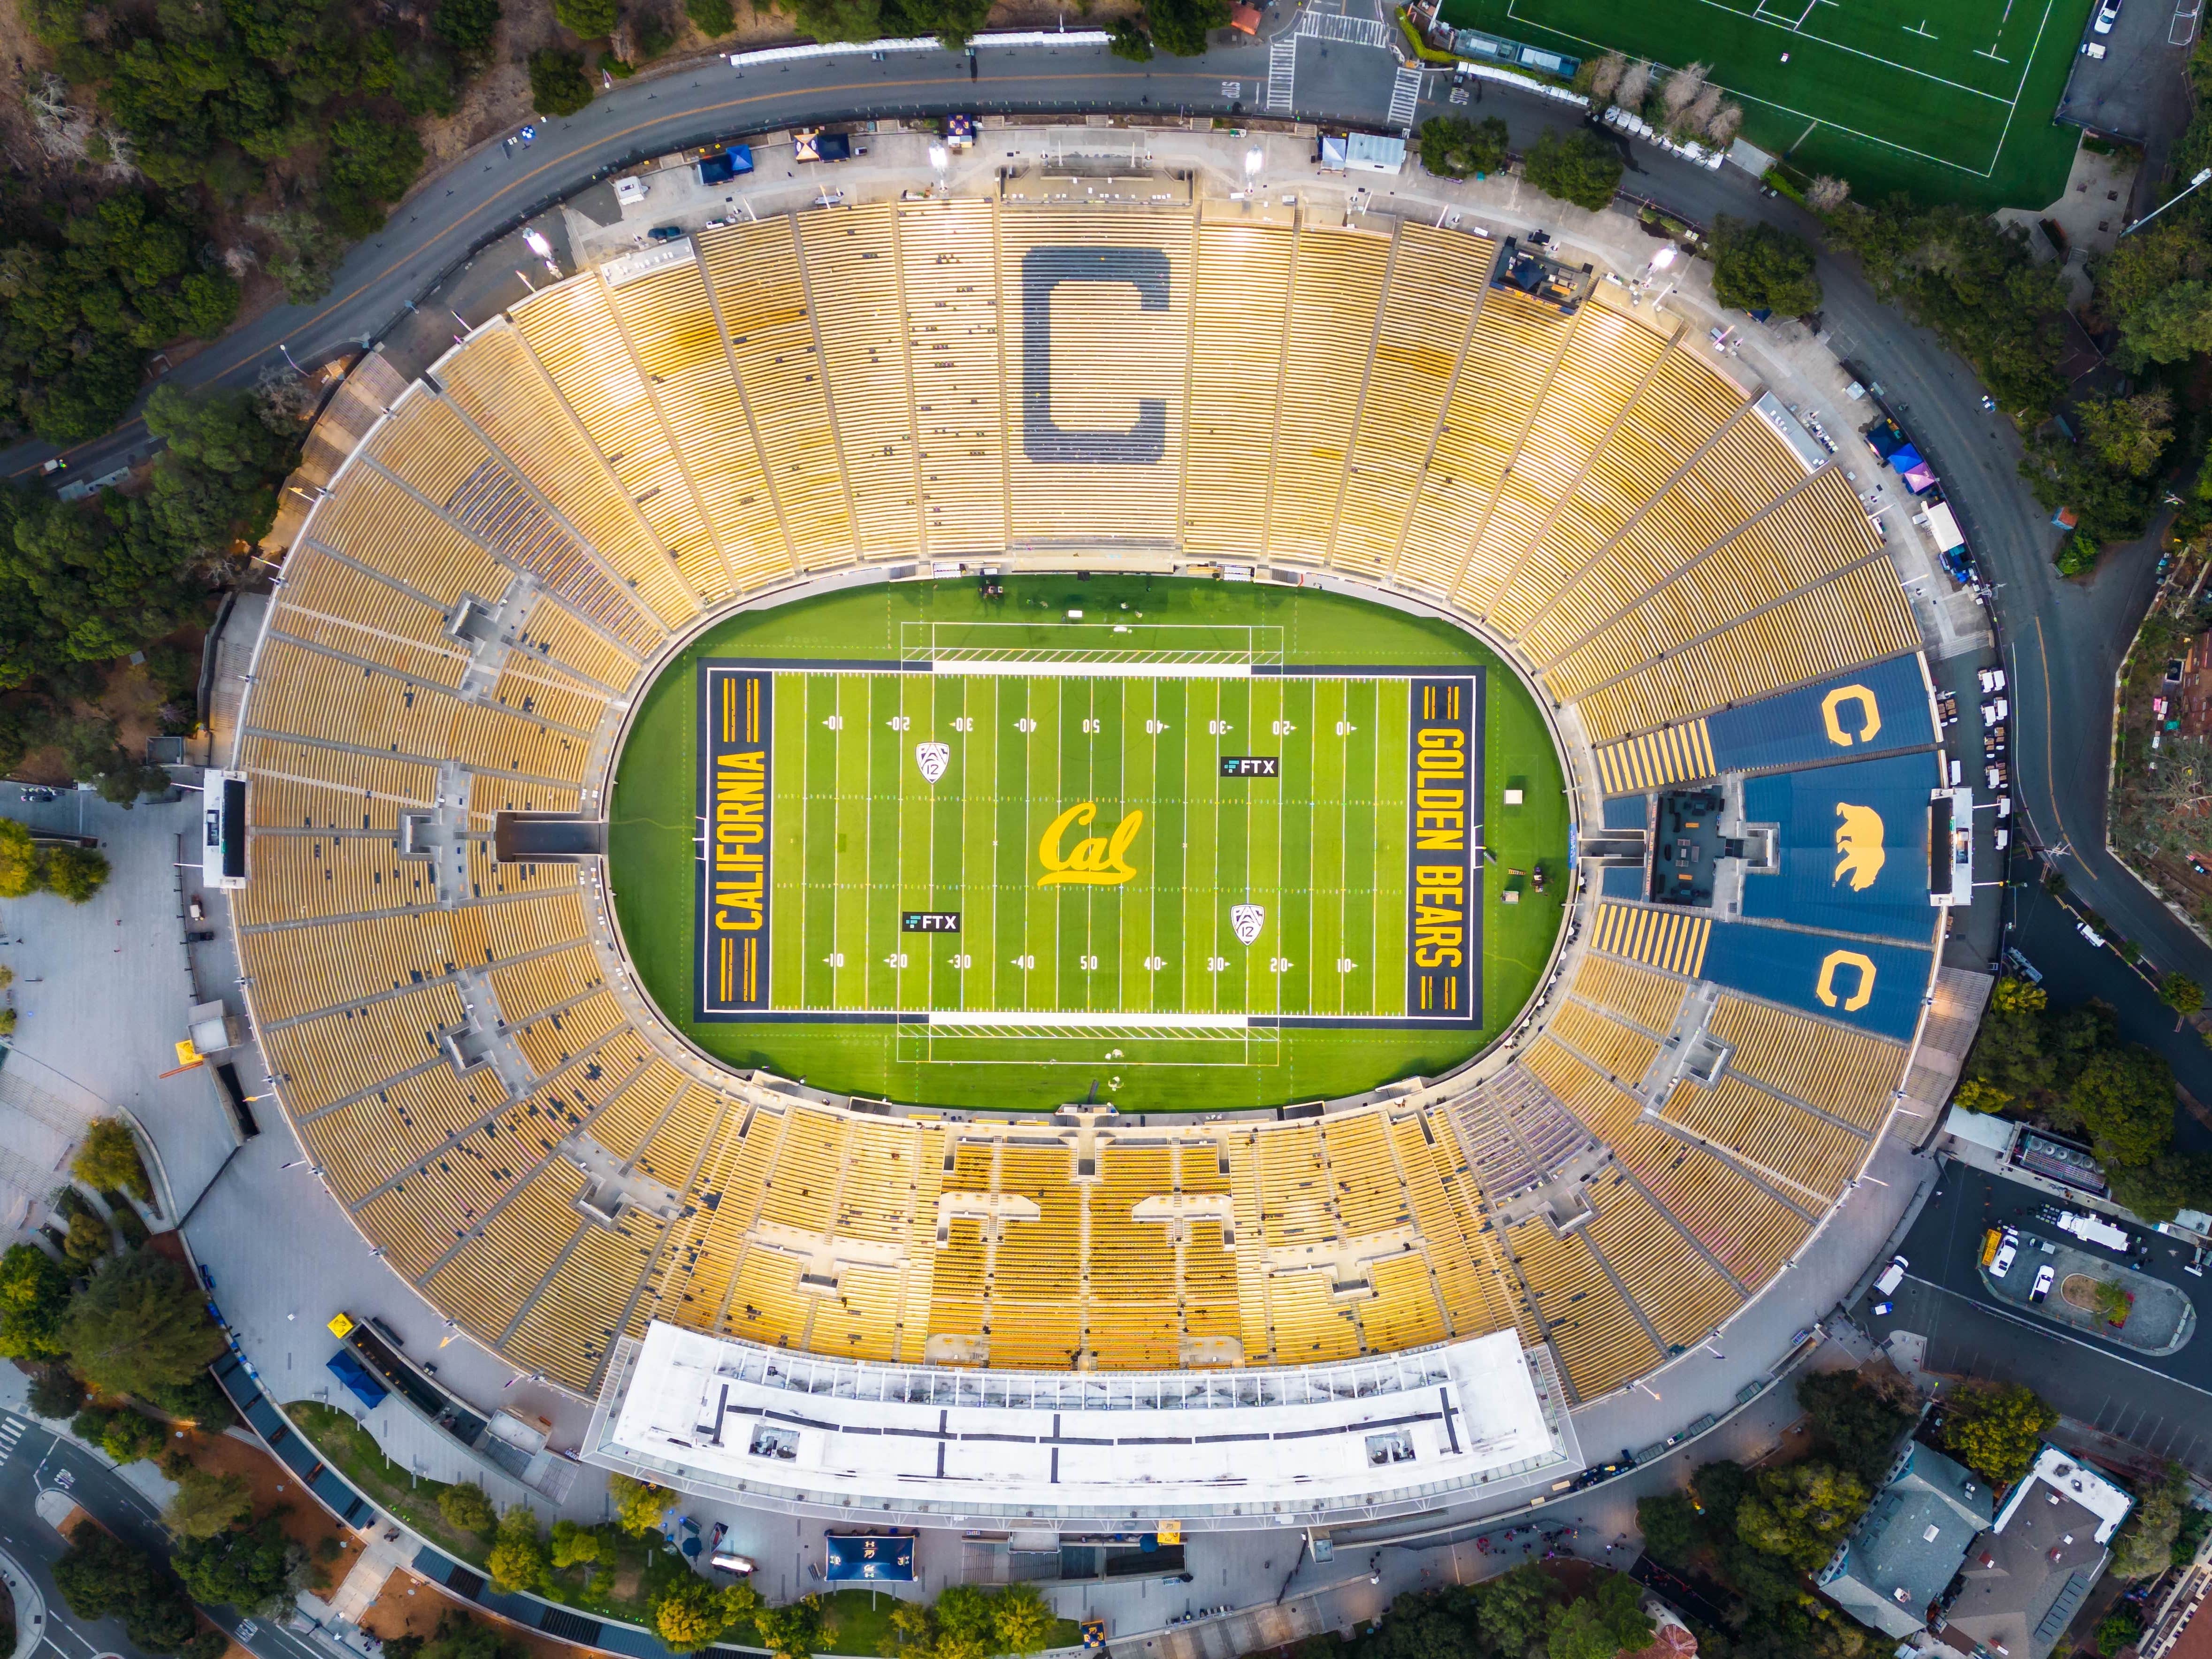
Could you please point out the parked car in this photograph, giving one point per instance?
(2044, 1276)
(666, 234)
(2007, 1253)
(2107, 15)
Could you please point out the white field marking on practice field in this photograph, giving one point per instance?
(2012, 104)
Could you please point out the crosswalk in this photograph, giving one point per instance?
(1405, 97)
(1351, 31)
(11, 1430)
(1282, 72)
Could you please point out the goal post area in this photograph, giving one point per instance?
(1169, 837)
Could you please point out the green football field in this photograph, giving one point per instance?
(907, 842)
(1949, 100)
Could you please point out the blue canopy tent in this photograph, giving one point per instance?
(877, 1557)
(355, 1375)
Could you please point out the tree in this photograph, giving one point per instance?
(574, 1546)
(518, 1559)
(1995, 1431)
(55, 1392)
(2146, 1542)
(460, 1637)
(1575, 1632)
(1453, 146)
(1668, 1522)
(2127, 435)
(1761, 267)
(791, 1632)
(1129, 41)
(371, 162)
(469, 26)
(1799, 1512)
(1635, 86)
(1179, 26)
(2183, 994)
(588, 20)
(254, 1569)
(711, 18)
(2118, 1628)
(35, 1293)
(1826, 193)
(2169, 1183)
(1023, 1621)
(21, 873)
(691, 1614)
(101, 1576)
(77, 872)
(140, 1324)
(1599, 77)
(2169, 326)
(464, 1505)
(967, 1625)
(639, 1506)
(206, 1503)
(2112, 1301)
(1979, 287)
(107, 1160)
(1682, 90)
(558, 85)
(1579, 167)
(1511, 1610)
(1975, 1095)
(2124, 1097)
(1856, 1421)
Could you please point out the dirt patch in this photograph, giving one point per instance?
(305, 1521)
(411, 1607)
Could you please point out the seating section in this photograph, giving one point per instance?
(471, 608)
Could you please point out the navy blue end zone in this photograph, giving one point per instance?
(736, 807)
(1443, 848)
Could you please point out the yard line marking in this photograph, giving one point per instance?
(2012, 104)
(1922, 28)
(1979, 53)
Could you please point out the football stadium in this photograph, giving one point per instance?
(986, 812)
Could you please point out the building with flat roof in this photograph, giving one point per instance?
(712, 1414)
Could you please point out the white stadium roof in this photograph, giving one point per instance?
(1242, 1447)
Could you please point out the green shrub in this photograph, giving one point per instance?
(557, 84)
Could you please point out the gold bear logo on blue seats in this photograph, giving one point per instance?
(1859, 852)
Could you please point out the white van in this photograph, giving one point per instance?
(1892, 1276)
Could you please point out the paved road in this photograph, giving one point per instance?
(2158, 1403)
(34, 1460)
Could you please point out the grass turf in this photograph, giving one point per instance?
(1948, 100)
(652, 853)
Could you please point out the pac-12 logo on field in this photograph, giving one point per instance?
(1245, 921)
(932, 758)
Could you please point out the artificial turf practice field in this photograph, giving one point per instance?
(1950, 100)
(1212, 844)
